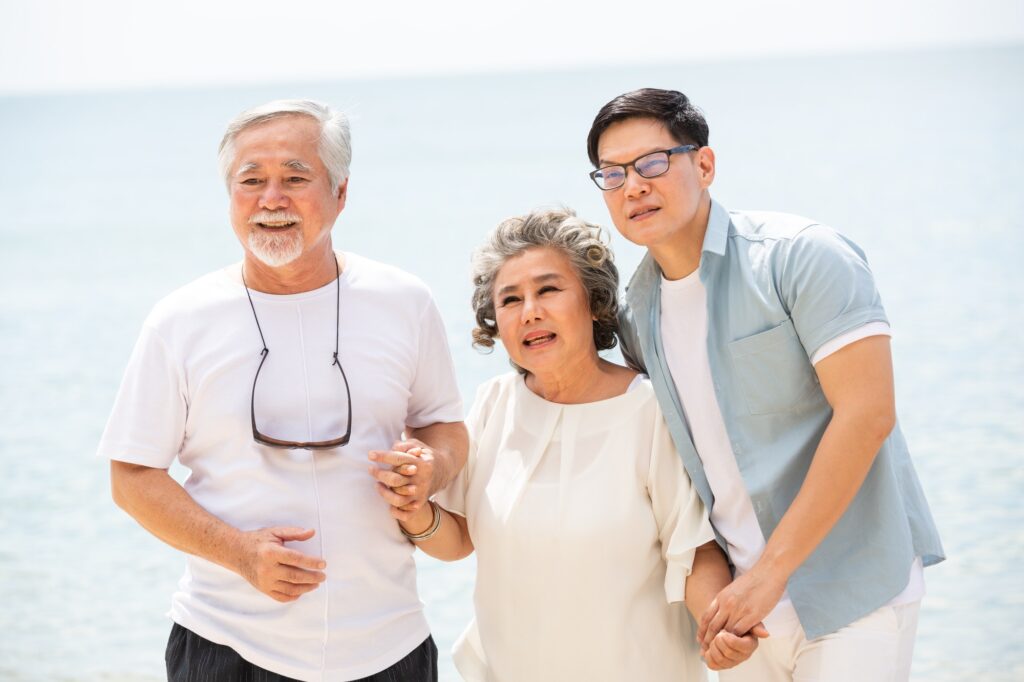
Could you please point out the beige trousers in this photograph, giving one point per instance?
(876, 648)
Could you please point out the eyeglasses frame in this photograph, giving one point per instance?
(681, 149)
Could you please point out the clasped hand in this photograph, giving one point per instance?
(405, 480)
(732, 623)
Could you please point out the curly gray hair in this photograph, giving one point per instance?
(583, 243)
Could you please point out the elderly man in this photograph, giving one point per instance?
(768, 347)
(272, 381)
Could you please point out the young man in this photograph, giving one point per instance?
(271, 381)
(768, 348)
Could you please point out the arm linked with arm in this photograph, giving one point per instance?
(413, 468)
(420, 466)
(449, 443)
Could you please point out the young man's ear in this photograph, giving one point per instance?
(706, 166)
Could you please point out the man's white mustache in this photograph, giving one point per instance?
(274, 217)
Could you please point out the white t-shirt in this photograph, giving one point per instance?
(186, 394)
(585, 526)
(684, 332)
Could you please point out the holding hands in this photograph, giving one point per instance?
(406, 478)
(728, 650)
(740, 607)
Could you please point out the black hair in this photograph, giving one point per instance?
(672, 108)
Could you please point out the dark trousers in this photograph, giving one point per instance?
(191, 658)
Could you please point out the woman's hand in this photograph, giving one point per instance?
(405, 484)
(728, 650)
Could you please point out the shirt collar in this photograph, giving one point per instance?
(648, 274)
(717, 234)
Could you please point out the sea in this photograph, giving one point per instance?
(113, 200)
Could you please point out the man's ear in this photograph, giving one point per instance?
(342, 194)
(706, 166)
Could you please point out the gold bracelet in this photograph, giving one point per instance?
(429, 532)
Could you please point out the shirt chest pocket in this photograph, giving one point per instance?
(774, 372)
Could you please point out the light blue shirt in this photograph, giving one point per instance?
(778, 288)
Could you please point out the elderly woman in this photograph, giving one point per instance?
(587, 530)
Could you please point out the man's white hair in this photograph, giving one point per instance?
(335, 139)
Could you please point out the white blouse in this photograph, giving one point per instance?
(585, 525)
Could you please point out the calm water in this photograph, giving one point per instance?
(113, 200)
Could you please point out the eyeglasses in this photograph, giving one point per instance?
(298, 445)
(647, 166)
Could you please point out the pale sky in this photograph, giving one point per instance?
(61, 45)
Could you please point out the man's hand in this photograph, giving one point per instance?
(728, 650)
(162, 507)
(408, 478)
(741, 605)
(277, 571)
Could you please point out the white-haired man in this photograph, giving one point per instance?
(272, 381)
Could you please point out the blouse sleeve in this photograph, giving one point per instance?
(678, 511)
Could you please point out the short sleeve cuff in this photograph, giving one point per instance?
(843, 340)
(450, 414)
(135, 454)
(676, 573)
(679, 564)
(849, 321)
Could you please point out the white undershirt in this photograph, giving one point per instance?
(684, 331)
